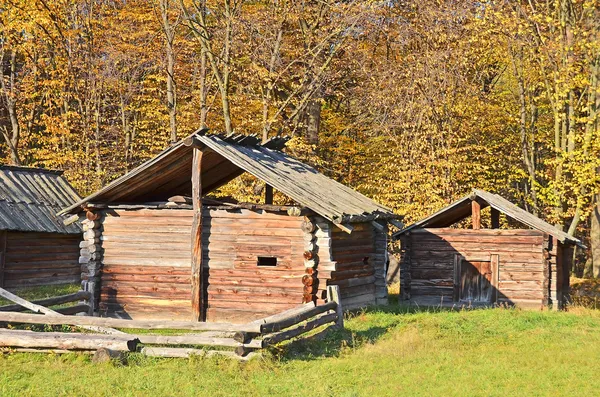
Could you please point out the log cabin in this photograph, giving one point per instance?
(156, 247)
(36, 248)
(453, 267)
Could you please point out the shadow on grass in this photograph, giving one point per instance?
(331, 342)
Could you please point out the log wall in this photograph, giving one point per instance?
(238, 289)
(146, 263)
(359, 265)
(34, 259)
(428, 257)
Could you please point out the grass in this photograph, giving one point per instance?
(42, 292)
(382, 352)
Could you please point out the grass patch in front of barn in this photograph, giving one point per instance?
(382, 352)
(42, 292)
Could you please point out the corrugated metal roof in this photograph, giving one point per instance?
(460, 209)
(226, 158)
(30, 199)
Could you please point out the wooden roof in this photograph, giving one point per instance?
(227, 157)
(30, 199)
(461, 209)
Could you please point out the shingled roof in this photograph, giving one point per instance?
(30, 199)
(461, 209)
(227, 157)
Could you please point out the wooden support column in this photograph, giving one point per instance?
(495, 218)
(476, 215)
(2, 256)
(268, 194)
(197, 272)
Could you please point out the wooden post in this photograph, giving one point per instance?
(495, 218)
(197, 273)
(268, 194)
(2, 256)
(333, 294)
(476, 215)
(495, 259)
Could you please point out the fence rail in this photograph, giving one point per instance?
(245, 339)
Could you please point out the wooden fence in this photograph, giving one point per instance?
(241, 341)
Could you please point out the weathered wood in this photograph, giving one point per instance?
(278, 337)
(196, 340)
(56, 300)
(65, 340)
(176, 352)
(197, 282)
(26, 318)
(333, 295)
(2, 256)
(81, 308)
(297, 317)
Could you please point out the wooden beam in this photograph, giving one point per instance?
(2, 255)
(198, 313)
(268, 194)
(55, 319)
(495, 218)
(476, 214)
(495, 259)
(44, 310)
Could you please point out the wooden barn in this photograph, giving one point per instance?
(36, 248)
(155, 248)
(528, 267)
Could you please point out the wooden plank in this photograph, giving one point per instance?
(52, 319)
(2, 256)
(476, 214)
(456, 286)
(41, 309)
(56, 300)
(197, 267)
(495, 264)
(66, 340)
(181, 352)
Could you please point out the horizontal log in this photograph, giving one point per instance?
(179, 352)
(33, 282)
(297, 317)
(43, 264)
(65, 340)
(352, 282)
(26, 318)
(53, 301)
(255, 298)
(82, 308)
(236, 315)
(240, 304)
(149, 278)
(278, 337)
(267, 290)
(481, 232)
(196, 340)
(145, 270)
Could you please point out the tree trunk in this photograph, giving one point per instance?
(595, 237)
(169, 35)
(313, 121)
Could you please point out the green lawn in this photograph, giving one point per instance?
(380, 353)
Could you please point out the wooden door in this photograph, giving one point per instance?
(475, 280)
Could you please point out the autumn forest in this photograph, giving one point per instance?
(413, 103)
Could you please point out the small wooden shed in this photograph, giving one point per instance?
(445, 266)
(155, 248)
(36, 248)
